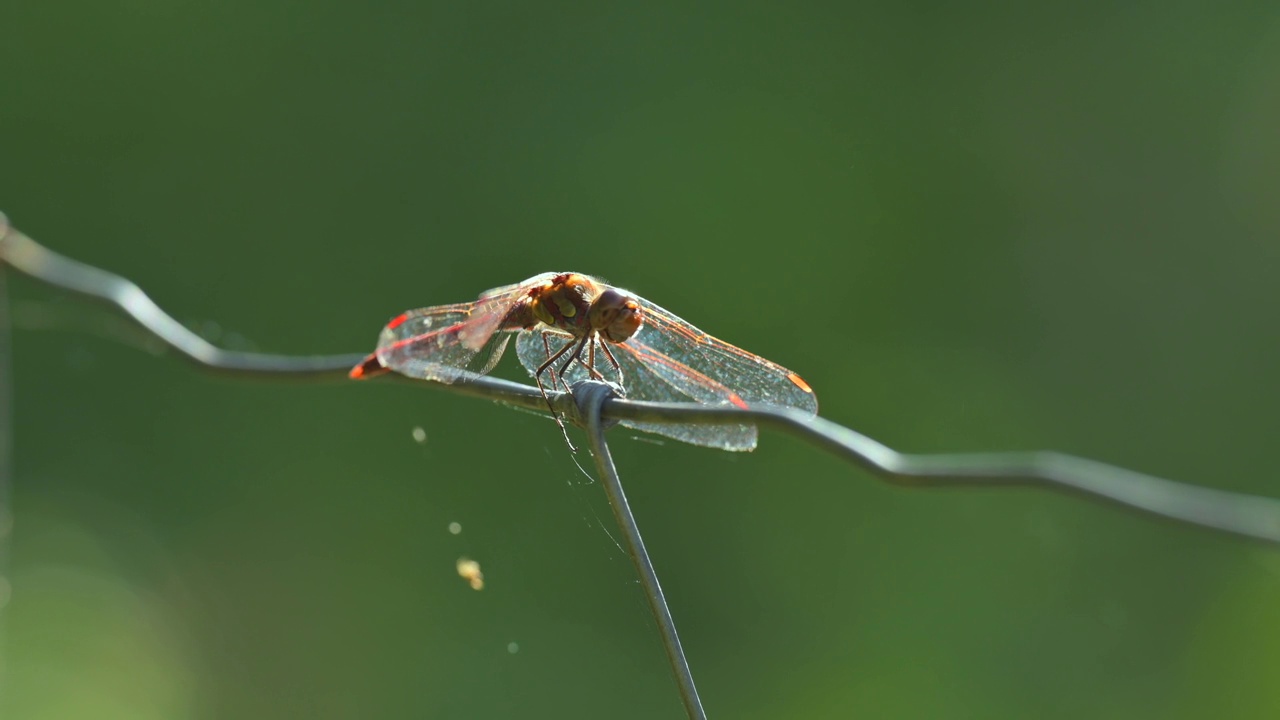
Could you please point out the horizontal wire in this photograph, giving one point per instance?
(1251, 516)
(32, 259)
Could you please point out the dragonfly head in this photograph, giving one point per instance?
(615, 315)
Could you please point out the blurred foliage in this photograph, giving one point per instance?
(970, 227)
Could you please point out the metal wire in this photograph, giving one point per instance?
(591, 396)
(1249, 516)
(30, 258)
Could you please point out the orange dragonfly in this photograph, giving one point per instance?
(570, 327)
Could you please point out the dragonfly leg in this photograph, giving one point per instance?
(577, 355)
(537, 377)
(591, 360)
(612, 361)
(546, 345)
(590, 364)
(557, 378)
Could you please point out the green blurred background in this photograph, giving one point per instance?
(970, 227)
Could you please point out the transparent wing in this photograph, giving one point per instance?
(670, 360)
(640, 382)
(429, 343)
(452, 342)
(492, 308)
(712, 371)
(648, 376)
(520, 287)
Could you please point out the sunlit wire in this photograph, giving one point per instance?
(1246, 515)
(1250, 516)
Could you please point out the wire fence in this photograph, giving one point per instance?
(594, 405)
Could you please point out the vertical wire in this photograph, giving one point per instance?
(591, 395)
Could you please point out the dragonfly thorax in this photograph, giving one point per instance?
(579, 306)
(564, 302)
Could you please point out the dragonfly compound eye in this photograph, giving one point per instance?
(616, 315)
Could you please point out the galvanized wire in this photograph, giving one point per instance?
(590, 397)
(1249, 516)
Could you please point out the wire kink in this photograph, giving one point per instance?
(1249, 516)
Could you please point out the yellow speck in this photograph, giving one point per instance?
(469, 570)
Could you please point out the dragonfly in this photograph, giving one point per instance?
(570, 327)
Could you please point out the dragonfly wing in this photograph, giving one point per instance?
(448, 343)
(493, 307)
(521, 287)
(639, 381)
(712, 371)
(646, 376)
(439, 343)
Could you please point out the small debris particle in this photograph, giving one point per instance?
(469, 570)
